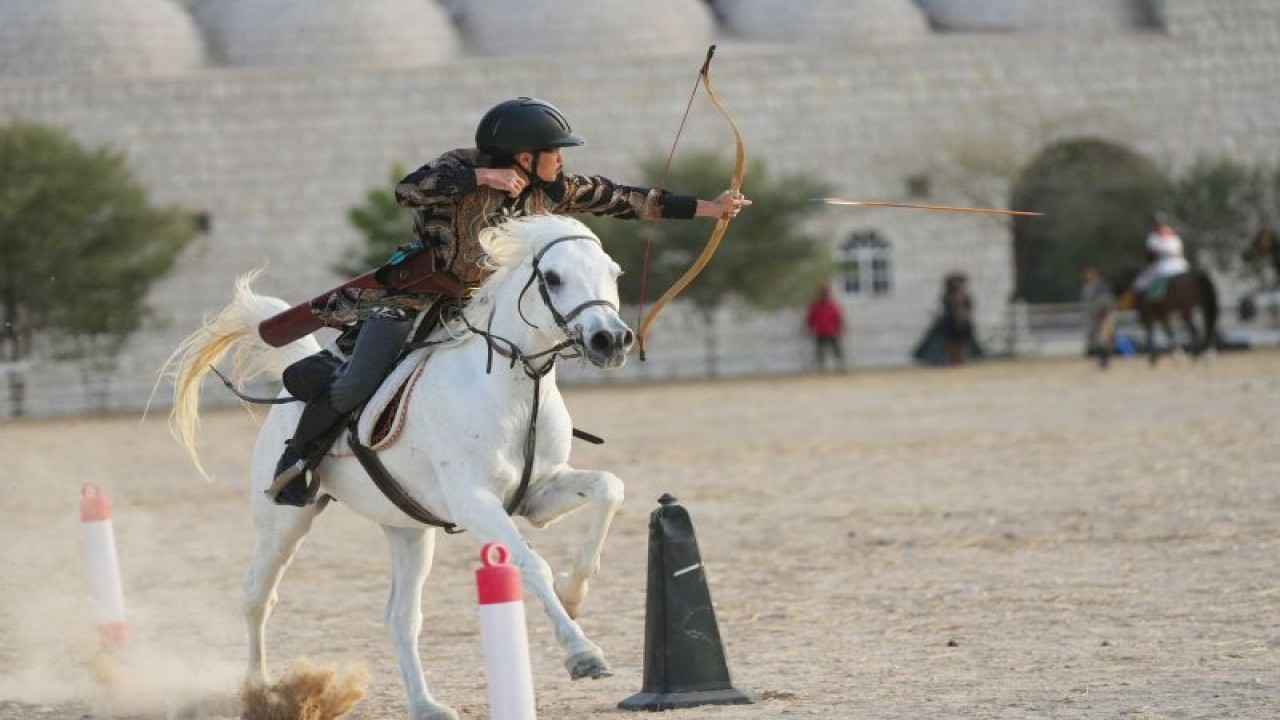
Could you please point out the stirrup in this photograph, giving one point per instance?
(291, 487)
(296, 494)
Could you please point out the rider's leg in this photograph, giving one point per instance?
(377, 347)
(1143, 284)
(318, 420)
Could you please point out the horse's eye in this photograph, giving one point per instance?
(553, 279)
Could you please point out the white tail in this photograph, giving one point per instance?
(234, 329)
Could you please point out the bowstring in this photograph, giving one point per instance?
(662, 186)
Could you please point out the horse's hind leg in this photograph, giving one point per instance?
(279, 532)
(1153, 353)
(1171, 332)
(411, 553)
(1189, 321)
(563, 493)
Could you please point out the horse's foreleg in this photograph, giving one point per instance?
(482, 514)
(411, 553)
(563, 493)
(1148, 326)
(279, 531)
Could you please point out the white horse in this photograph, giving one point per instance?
(461, 450)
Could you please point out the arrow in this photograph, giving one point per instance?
(914, 206)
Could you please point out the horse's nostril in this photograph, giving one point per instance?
(601, 342)
(628, 338)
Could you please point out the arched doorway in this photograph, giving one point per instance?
(1097, 198)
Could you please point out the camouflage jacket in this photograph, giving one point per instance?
(450, 209)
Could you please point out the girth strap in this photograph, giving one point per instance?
(530, 442)
(390, 487)
(395, 493)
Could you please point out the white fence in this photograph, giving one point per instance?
(744, 345)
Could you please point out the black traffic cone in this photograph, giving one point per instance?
(684, 663)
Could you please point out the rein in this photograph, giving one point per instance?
(250, 398)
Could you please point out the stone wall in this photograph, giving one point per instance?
(277, 157)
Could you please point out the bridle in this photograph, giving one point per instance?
(508, 349)
(562, 320)
(571, 346)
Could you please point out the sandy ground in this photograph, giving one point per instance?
(1008, 540)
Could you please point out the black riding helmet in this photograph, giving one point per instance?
(523, 124)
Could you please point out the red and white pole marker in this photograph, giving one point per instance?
(102, 565)
(506, 639)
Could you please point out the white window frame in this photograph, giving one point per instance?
(865, 261)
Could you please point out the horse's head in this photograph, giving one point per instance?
(1263, 246)
(576, 283)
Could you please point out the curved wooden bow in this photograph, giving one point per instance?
(722, 224)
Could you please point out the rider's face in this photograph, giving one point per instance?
(550, 161)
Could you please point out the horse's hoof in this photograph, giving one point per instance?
(441, 712)
(588, 664)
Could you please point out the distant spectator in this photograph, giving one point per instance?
(825, 322)
(1098, 303)
(950, 339)
(957, 320)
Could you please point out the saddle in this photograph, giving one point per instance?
(1156, 291)
(377, 425)
(308, 379)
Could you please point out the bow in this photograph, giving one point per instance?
(722, 224)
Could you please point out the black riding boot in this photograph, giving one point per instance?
(377, 346)
(315, 432)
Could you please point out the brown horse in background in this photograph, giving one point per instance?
(1264, 247)
(1183, 294)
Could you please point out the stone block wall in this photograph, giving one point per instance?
(276, 158)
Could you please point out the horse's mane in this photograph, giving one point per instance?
(507, 244)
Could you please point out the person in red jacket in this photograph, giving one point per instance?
(825, 322)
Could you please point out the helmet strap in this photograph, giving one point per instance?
(535, 180)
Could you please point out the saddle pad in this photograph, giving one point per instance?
(1156, 291)
(382, 418)
(402, 378)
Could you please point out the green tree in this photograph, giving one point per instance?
(1218, 204)
(1097, 198)
(80, 246)
(768, 259)
(385, 226)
